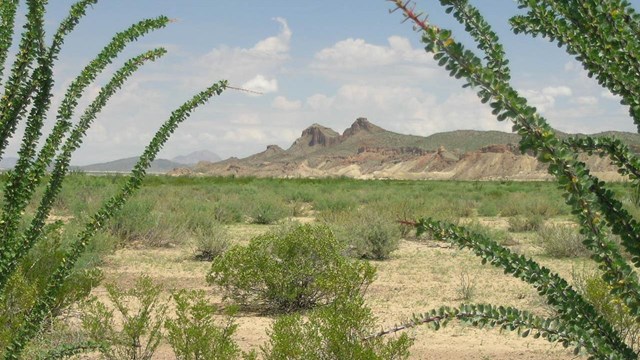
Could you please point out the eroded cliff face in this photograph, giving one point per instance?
(322, 152)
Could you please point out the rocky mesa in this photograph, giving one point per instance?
(367, 151)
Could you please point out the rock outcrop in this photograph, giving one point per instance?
(367, 151)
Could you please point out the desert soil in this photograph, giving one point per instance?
(419, 277)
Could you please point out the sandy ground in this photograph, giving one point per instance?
(418, 278)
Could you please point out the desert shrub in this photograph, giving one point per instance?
(268, 210)
(597, 292)
(404, 211)
(488, 208)
(559, 240)
(26, 284)
(229, 210)
(44, 156)
(210, 241)
(499, 235)
(520, 223)
(603, 37)
(339, 330)
(142, 222)
(298, 270)
(367, 235)
(194, 334)
(466, 286)
(142, 315)
(332, 202)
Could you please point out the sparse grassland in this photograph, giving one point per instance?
(175, 223)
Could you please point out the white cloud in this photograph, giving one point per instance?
(282, 103)
(585, 100)
(557, 91)
(245, 135)
(356, 60)
(246, 119)
(319, 101)
(545, 99)
(357, 53)
(276, 45)
(404, 109)
(261, 84)
(240, 65)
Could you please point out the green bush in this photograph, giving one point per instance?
(229, 210)
(598, 293)
(194, 334)
(211, 241)
(301, 269)
(141, 222)
(520, 223)
(339, 330)
(142, 314)
(558, 240)
(603, 36)
(26, 284)
(267, 210)
(368, 235)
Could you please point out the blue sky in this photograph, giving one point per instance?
(326, 62)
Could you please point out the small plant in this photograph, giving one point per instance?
(298, 270)
(268, 211)
(31, 276)
(558, 240)
(520, 223)
(466, 286)
(142, 315)
(598, 293)
(367, 235)
(211, 241)
(339, 330)
(194, 334)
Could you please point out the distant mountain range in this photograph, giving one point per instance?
(126, 165)
(157, 166)
(197, 156)
(368, 151)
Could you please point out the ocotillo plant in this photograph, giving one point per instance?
(604, 37)
(27, 98)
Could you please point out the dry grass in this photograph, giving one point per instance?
(418, 277)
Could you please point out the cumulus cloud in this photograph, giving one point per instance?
(282, 103)
(404, 109)
(261, 84)
(241, 64)
(557, 91)
(354, 59)
(245, 135)
(319, 101)
(585, 100)
(276, 45)
(545, 99)
(357, 53)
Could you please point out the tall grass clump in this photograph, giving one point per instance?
(603, 36)
(29, 193)
(561, 240)
(367, 235)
